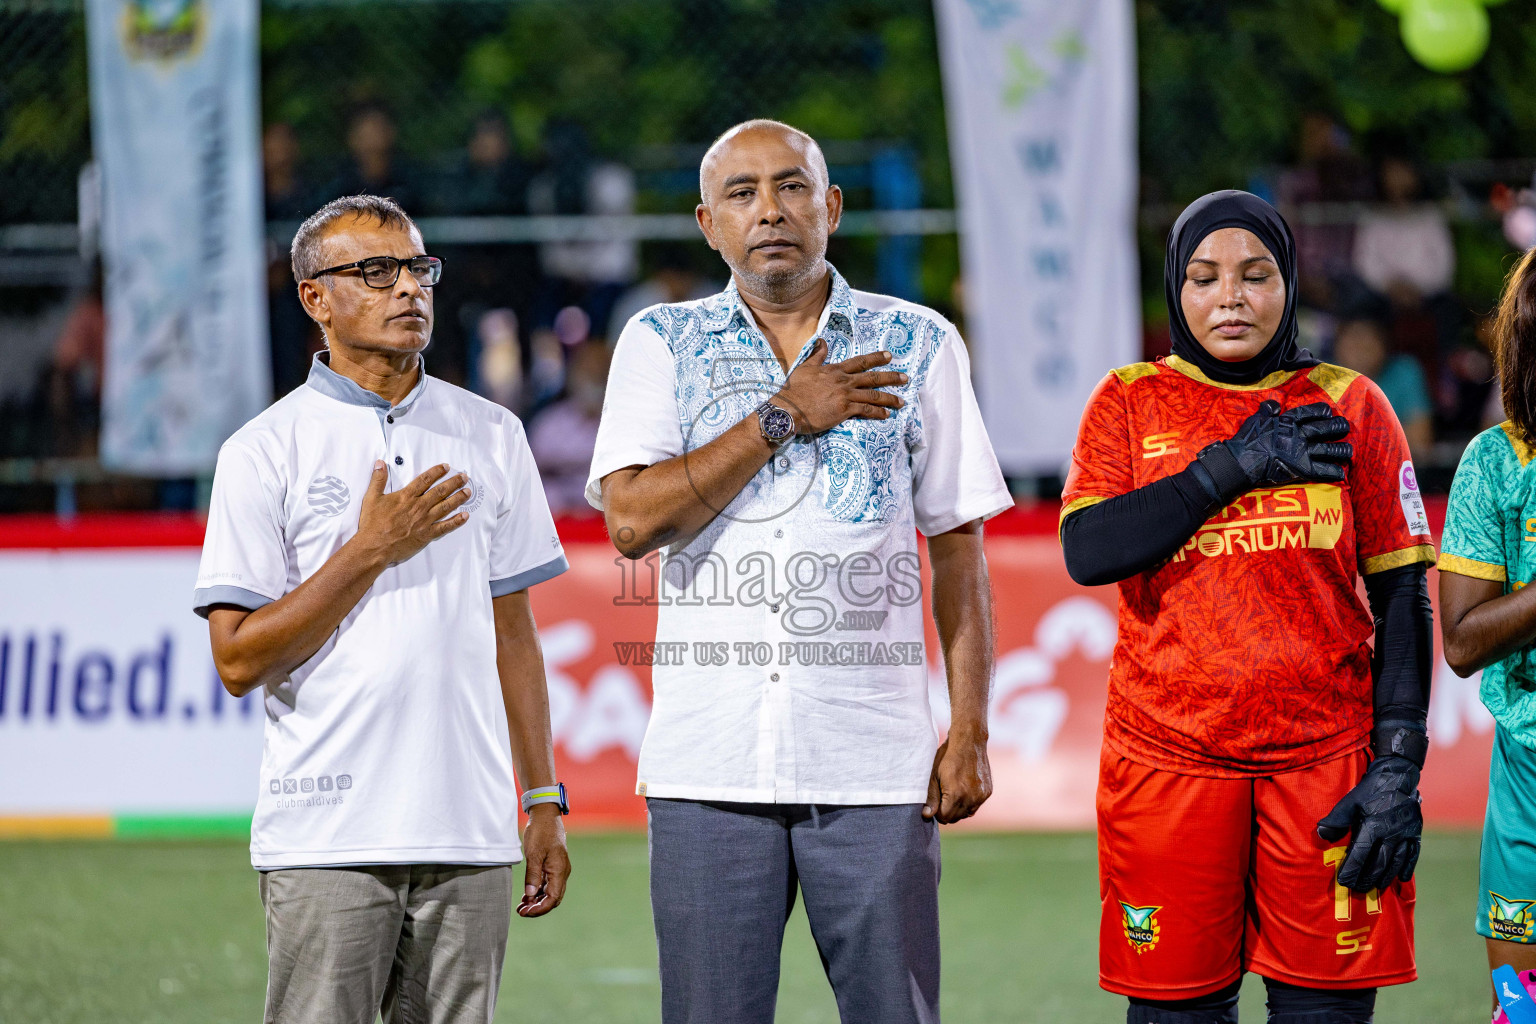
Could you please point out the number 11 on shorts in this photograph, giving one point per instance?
(1351, 940)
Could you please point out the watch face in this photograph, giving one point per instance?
(777, 423)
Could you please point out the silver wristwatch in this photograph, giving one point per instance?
(775, 424)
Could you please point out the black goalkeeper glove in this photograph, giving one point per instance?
(1273, 448)
(1384, 815)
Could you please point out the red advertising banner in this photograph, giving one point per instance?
(1054, 642)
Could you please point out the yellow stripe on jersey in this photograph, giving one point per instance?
(1134, 372)
(1522, 447)
(1473, 568)
(1190, 370)
(1076, 505)
(1398, 559)
(1334, 380)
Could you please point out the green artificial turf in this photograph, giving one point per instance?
(158, 932)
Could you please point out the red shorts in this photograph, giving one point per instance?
(1202, 879)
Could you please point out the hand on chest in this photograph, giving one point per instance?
(333, 473)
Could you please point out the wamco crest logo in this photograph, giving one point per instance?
(1141, 928)
(328, 496)
(163, 30)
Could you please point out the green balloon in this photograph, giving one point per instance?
(1445, 35)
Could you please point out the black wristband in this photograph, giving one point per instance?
(1401, 739)
(1228, 476)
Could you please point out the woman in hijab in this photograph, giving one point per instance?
(1258, 791)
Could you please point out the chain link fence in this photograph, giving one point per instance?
(637, 81)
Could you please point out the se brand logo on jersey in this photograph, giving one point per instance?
(1155, 445)
(1141, 927)
(1511, 920)
(328, 496)
(1271, 519)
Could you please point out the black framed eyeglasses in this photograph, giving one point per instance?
(384, 271)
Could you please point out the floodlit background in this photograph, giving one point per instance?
(1014, 164)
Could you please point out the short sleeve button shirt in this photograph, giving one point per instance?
(390, 744)
(1490, 534)
(789, 663)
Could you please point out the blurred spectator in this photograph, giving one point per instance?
(673, 280)
(499, 365)
(489, 178)
(66, 399)
(374, 167)
(287, 194)
(82, 341)
(1403, 248)
(563, 435)
(1466, 378)
(590, 274)
(1326, 172)
(1362, 345)
(546, 369)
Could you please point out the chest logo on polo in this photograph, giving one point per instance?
(476, 496)
(328, 496)
(1272, 519)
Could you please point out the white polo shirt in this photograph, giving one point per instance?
(389, 745)
(789, 664)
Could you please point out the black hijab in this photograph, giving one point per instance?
(1233, 209)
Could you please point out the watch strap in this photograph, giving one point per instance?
(546, 795)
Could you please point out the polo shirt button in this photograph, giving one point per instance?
(773, 608)
(778, 533)
(783, 463)
(399, 461)
(774, 677)
(389, 419)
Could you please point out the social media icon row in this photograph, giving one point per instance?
(324, 783)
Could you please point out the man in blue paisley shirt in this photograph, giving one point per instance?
(779, 445)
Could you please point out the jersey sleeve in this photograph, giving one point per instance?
(1473, 541)
(1101, 457)
(244, 561)
(1391, 527)
(639, 425)
(955, 475)
(525, 549)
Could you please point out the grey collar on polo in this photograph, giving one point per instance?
(333, 385)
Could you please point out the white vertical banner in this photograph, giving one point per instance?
(1041, 98)
(174, 120)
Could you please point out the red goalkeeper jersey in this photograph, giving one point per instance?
(1247, 652)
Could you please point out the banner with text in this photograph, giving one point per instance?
(109, 703)
(1041, 96)
(174, 122)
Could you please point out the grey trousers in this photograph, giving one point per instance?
(723, 881)
(415, 943)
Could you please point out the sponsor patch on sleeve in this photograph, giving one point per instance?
(1412, 501)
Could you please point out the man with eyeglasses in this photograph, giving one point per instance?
(371, 541)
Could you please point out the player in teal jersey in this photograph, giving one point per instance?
(1488, 621)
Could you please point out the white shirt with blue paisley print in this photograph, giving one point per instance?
(789, 664)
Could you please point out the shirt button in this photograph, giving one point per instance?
(389, 419)
(783, 463)
(773, 608)
(774, 677)
(399, 461)
(778, 533)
